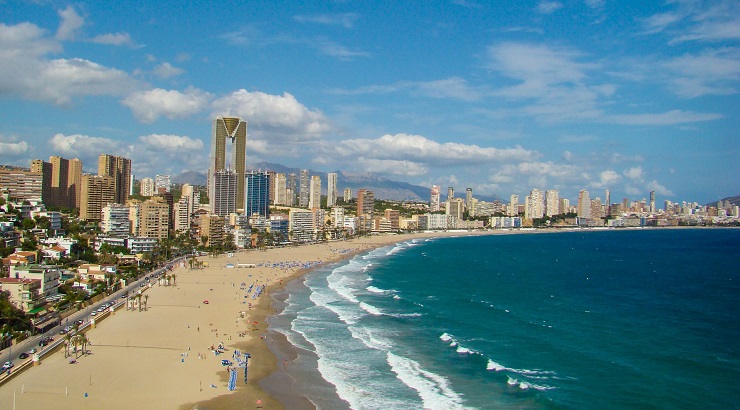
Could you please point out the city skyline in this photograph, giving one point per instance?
(541, 95)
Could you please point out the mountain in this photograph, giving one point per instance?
(734, 200)
(383, 188)
(191, 177)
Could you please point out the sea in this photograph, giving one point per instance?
(581, 319)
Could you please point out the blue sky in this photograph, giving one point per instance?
(499, 96)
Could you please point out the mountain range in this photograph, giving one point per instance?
(383, 188)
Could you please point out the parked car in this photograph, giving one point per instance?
(8, 365)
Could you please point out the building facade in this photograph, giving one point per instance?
(96, 193)
(331, 189)
(234, 129)
(258, 194)
(314, 196)
(118, 168)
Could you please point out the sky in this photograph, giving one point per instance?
(502, 97)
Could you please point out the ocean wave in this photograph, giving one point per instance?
(492, 365)
(433, 389)
(371, 309)
(526, 385)
(373, 289)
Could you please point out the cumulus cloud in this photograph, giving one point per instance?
(70, 24)
(25, 70)
(148, 106)
(634, 173)
(277, 117)
(659, 189)
(167, 70)
(606, 178)
(710, 72)
(391, 167)
(11, 147)
(419, 149)
(87, 148)
(173, 143)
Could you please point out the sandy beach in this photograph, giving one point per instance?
(161, 358)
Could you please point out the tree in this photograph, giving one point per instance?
(27, 224)
(146, 301)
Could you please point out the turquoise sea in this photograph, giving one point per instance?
(615, 319)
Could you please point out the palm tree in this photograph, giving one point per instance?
(67, 339)
(146, 301)
(174, 282)
(139, 300)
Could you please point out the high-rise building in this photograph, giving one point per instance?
(225, 186)
(235, 129)
(148, 187)
(281, 190)
(212, 227)
(162, 182)
(455, 208)
(652, 201)
(468, 197)
(271, 175)
(74, 181)
(365, 202)
(608, 202)
(187, 205)
(584, 204)
(258, 194)
(450, 193)
(331, 189)
(61, 181)
(434, 199)
(97, 191)
(304, 189)
(552, 202)
(535, 206)
(21, 183)
(564, 205)
(115, 220)
(119, 168)
(291, 191)
(597, 208)
(314, 196)
(44, 168)
(514, 205)
(347, 194)
(394, 216)
(154, 219)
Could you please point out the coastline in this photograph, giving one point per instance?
(152, 358)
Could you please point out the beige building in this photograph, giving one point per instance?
(96, 193)
(234, 129)
(314, 193)
(119, 168)
(25, 294)
(22, 184)
(393, 216)
(212, 227)
(154, 217)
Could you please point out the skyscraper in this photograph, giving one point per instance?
(331, 189)
(303, 193)
(608, 202)
(450, 193)
(235, 129)
(292, 189)
(119, 168)
(652, 201)
(584, 204)
(147, 187)
(514, 205)
(347, 194)
(552, 203)
(314, 197)
(162, 181)
(434, 199)
(258, 194)
(365, 202)
(468, 197)
(97, 192)
(281, 190)
(224, 187)
(535, 205)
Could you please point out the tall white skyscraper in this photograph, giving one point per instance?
(314, 198)
(147, 187)
(331, 189)
(469, 198)
(535, 205)
(584, 204)
(281, 190)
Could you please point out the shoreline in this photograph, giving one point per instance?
(148, 358)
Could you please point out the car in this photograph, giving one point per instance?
(93, 313)
(23, 355)
(205, 302)
(79, 322)
(32, 351)
(8, 366)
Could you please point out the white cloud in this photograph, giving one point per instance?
(339, 51)
(171, 143)
(549, 7)
(86, 148)
(453, 87)
(25, 71)
(114, 39)
(70, 24)
(606, 178)
(711, 72)
(12, 148)
(391, 167)
(568, 156)
(278, 118)
(148, 106)
(419, 149)
(167, 70)
(634, 173)
(667, 118)
(346, 20)
(659, 189)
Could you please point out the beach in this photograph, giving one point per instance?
(165, 355)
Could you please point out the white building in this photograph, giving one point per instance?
(331, 189)
(337, 217)
(535, 205)
(115, 220)
(147, 187)
(162, 181)
(552, 202)
(314, 196)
